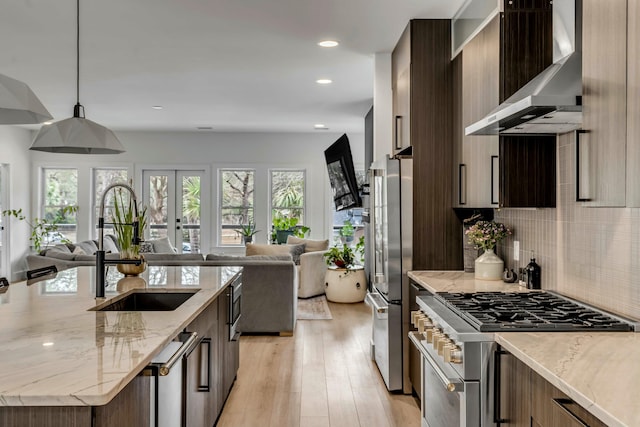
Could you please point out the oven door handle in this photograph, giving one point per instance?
(451, 384)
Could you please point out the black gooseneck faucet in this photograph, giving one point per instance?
(100, 255)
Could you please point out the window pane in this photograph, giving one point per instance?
(191, 214)
(354, 215)
(287, 194)
(102, 178)
(236, 206)
(60, 190)
(157, 211)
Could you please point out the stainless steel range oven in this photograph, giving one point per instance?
(455, 336)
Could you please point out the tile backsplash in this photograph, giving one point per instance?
(591, 254)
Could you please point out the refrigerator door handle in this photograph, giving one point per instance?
(377, 303)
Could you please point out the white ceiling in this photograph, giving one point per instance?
(234, 65)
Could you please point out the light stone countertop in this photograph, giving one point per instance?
(598, 370)
(459, 281)
(53, 352)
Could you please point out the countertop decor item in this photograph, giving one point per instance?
(123, 216)
(485, 235)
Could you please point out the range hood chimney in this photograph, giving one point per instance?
(551, 103)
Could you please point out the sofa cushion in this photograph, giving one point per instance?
(109, 244)
(146, 247)
(78, 251)
(88, 246)
(163, 246)
(61, 248)
(310, 244)
(239, 258)
(295, 251)
(173, 257)
(66, 256)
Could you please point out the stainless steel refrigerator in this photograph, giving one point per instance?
(390, 231)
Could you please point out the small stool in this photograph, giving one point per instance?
(345, 285)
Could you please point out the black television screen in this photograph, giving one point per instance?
(342, 175)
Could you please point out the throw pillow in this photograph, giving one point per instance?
(310, 244)
(88, 246)
(146, 247)
(163, 246)
(260, 249)
(78, 251)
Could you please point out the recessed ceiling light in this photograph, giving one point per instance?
(320, 126)
(157, 107)
(47, 344)
(47, 122)
(324, 81)
(328, 43)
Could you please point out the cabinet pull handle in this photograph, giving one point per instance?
(561, 402)
(497, 417)
(494, 196)
(398, 133)
(579, 152)
(204, 381)
(462, 184)
(189, 340)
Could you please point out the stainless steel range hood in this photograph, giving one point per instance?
(551, 103)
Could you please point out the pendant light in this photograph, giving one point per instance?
(77, 135)
(19, 105)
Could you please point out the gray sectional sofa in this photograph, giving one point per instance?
(270, 282)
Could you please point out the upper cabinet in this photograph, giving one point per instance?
(603, 145)
(422, 76)
(512, 171)
(477, 70)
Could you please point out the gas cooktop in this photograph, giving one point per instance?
(529, 311)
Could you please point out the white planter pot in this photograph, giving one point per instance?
(345, 285)
(489, 266)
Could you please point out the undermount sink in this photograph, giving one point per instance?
(145, 300)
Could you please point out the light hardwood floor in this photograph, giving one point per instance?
(321, 376)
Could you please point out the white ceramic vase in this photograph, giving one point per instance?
(489, 266)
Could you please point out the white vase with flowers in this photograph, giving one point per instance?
(485, 235)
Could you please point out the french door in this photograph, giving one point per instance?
(173, 200)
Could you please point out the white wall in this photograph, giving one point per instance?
(14, 146)
(212, 150)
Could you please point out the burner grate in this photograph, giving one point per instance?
(528, 311)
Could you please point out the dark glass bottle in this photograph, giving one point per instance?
(533, 274)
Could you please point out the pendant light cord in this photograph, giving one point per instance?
(78, 107)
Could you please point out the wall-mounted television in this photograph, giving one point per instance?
(342, 175)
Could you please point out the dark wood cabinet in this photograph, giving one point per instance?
(527, 399)
(201, 377)
(503, 171)
(513, 391)
(528, 171)
(422, 78)
(229, 349)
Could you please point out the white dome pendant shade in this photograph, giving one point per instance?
(77, 135)
(19, 105)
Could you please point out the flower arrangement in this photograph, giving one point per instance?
(486, 234)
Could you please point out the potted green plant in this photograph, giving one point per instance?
(345, 256)
(247, 231)
(44, 231)
(287, 226)
(347, 231)
(123, 216)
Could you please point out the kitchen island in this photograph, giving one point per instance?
(596, 370)
(56, 352)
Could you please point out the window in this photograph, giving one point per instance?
(102, 178)
(287, 194)
(236, 205)
(60, 189)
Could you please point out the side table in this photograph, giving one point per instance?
(345, 285)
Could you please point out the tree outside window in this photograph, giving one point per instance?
(287, 194)
(237, 204)
(60, 191)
